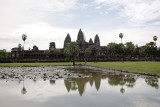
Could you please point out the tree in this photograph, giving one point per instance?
(24, 90)
(142, 51)
(149, 50)
(47, 52)
(67, 53)
(121, 36)
(129, 48)
(120, 50)
(3, 54)
(88, 52)
(112, 48)
(56, 52)
(73, 49)
(24, 37)
(155, 38)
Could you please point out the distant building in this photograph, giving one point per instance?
(83, 44)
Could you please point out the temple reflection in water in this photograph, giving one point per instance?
(114, 79)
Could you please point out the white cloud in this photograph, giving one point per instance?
(40, 34)
(31, 17)
(139, 36)
(98, 7)
(138, 11)
(24, 16)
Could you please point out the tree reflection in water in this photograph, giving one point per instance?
(24, 90)
(153, 82)
(52, 82)
(114, 79)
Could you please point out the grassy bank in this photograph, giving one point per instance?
(33, 64)
(136, 67)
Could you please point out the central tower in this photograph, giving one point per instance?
(81, 39)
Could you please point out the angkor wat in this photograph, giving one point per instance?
(98, 52)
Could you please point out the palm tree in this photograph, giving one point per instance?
(24, 37)
(121, 36)
(155, 38)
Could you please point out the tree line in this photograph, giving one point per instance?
(148, 50)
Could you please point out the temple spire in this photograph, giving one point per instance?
(80, 37)
(67, 41)
(90, 41)
(96, 40)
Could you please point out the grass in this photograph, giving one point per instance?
(135, 67)
(34, 64)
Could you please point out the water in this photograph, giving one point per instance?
(76, 87)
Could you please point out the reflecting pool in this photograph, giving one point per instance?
(67, 86)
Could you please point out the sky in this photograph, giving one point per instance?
(45, 21)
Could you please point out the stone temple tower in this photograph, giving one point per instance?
(96, 40)
(67, 41)
(52, 46)
(80, 37)
(90, 41)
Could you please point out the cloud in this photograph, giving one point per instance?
(139, 36)
(46, 21)
(28, 11)
(18, 15)
(40, 34)
(138, 11)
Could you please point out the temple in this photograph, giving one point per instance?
(18, 53)
(98, 52)
(83, 44)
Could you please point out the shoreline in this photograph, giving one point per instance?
(146, 68)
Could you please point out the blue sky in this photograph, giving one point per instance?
(46, 21)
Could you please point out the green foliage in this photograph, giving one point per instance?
(47, 52)
(88, 51)
(112, 47)
(67, 52)
(73, 49)
(129, 48)
(155, 38)
(56, 52)
(24, 37)
(148, 50)
(120, 48)
(115, 48)
(121, 35)
(3, 54)
(142, 51)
